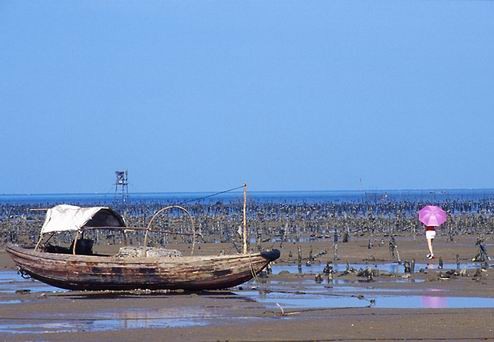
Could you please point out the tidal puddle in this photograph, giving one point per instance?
(357, 297)
(336, 286)
(105, 321)
(294, 300)
(338, 282)
(11, 281)
(383, 267)
(433, 302)
(11, 301)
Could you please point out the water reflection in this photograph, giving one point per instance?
(11, 281)
(382, 267)
(431, 302)
(365, 298)
(110, 320)
(10, 301)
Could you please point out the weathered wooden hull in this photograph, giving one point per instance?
(81, 272)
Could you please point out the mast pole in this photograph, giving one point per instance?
(245, 219)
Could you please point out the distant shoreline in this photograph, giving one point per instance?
(433, 196)
(360, 191)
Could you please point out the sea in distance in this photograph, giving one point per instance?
(433, 196)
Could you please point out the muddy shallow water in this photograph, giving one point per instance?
(275, 294)
(107, 320)
(11, 281)
(360, 299)
(392, 267)
(287, 305)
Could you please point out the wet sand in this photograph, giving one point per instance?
(238, 315)
(336, 325)
(342, 325)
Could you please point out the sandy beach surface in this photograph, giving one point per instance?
(287, 305)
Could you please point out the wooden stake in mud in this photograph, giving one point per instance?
(245, 219)
(335, 245)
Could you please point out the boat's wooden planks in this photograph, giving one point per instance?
(96, 272)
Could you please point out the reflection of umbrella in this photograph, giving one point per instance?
(430, 302)
(432, 216)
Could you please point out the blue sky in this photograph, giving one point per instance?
(283, 95)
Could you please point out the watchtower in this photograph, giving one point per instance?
(121, 185)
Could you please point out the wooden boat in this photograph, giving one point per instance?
(78, 268)
(87, 272)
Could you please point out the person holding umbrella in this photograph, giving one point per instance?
(431, 216)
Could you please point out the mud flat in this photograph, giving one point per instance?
(244, 314)
(456, 302)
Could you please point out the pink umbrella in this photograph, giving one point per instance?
(432, 216)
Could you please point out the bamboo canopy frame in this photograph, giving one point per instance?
(148, 229)
(124, 229)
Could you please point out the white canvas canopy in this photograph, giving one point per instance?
(66, 217)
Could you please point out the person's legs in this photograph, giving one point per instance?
(429, 244)
(430, 235)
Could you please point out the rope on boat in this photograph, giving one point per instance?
(212, 195)
(252, 271)
(22, 273)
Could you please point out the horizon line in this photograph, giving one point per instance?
(254, 191)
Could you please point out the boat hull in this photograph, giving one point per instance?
(87, 272)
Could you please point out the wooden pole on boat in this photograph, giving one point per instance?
(39, 241)
(75, 241)
(245, 219)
